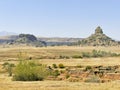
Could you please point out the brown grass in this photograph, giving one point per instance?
(7, 84)
(10, 55)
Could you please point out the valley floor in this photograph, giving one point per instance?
(10, 55)
(7, 84)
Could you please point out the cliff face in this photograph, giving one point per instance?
(98, 39)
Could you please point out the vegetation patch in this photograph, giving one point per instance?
(96, 54)
(30, 71)
(61, 66)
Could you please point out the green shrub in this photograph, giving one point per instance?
(86, 54)
(62, 71)
(79, 66)
(54, 66)
(56, 73)
(61, 66)
(98, 53)
(67, 76)
(77, 56)
(88, 68)
(63, 57)
(30, 71)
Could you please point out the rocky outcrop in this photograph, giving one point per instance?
(27, 39)
(98, 39)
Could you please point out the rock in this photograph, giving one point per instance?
(98, 39)
(98, 30)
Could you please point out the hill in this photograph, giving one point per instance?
(98, 39)
(21, 39)
(31, 39)
(28, 39)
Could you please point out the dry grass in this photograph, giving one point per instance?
(7, 84)
(108, 61)
(84, 62)
(10, 55)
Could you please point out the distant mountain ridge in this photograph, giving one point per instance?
(25, 38)
(96, 39)
(57, 41)
(5, 33)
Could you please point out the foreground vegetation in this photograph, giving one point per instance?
(30, 71)
(59, 73)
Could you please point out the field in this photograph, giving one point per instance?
(49, 56)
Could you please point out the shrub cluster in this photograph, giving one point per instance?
(64, 57)
(55, 73)
(77, 56)
(96, 54)
(99, 53)
(54, 66)
(87, 68)
(30, 71)
(61, 66)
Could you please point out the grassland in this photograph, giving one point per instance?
(10, 54)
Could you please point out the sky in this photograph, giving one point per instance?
(60, 18)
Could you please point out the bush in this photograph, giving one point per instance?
(61, 66)
(77, 56)
(30, 71)
(67, 76)
(88, 68)
(86, 54)
(54, 66)
(79, 66)
(62, 71)
(56, 73)
(64, 57)
(98, 53)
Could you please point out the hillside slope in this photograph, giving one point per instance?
(98, 39)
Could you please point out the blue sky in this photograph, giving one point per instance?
(60, 18)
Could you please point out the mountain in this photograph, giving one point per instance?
(98, 39)
(5, 33)
(9, 37)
